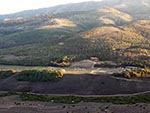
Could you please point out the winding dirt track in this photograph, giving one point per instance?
(59, 95)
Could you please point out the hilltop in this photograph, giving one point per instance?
(110, 30)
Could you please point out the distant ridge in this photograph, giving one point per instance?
(56, 9)
(113, 30)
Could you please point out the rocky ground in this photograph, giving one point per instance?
(13, 104)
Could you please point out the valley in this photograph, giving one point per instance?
(88, 57)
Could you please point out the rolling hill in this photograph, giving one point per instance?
(124, 5)
(110, 30)
(78, 85)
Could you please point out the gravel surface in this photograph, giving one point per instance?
(13, 104)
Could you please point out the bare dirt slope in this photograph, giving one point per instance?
(78, 84)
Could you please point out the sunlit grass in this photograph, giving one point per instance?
(72, 71)
(19, 68)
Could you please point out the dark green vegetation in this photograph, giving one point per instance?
(6, 74)
(145, 98)
(39, 76)
(62, 62)
(111, 30)
(34, 75)
(73, 99)
(8, 94)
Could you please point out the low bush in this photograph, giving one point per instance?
(6, 74)
(136, 73)
(39, 76)
(73, 99)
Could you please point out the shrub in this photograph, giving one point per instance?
(39, 76)
(127, 74)
(6, 74)
(136, 73)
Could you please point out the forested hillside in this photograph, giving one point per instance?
(110, 30)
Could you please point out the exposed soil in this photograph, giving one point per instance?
(83, 64)
(102, 84)
(13, 104)
(85, 84)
